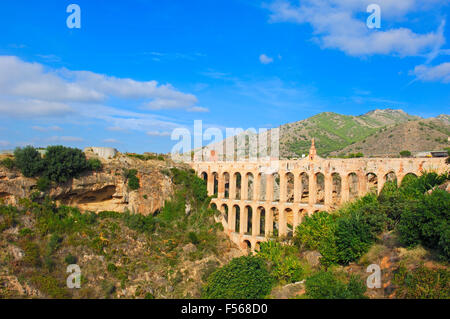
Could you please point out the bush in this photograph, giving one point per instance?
(95, 164)
(314, 229)
(193, 238)
(8, 163)
(326, 285)
(284, 265)
(43, 184)
(422, 283)
(242, 278)
(140, 223)
(427, 223)
(28, 161)
(405, 153)
(70, 259)
(133, 180)
(63, 163)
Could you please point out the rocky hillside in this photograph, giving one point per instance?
(99, 191)
(415, 136)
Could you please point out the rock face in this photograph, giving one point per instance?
(100, 191)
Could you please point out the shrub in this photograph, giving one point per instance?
(242, 278)
(94, 164)
(32, 254)
(8, 163)
(422, 283)
(43, 184)
(140, 223)
(70, 259)
(133, 180)
(405, 153)
(284, 266)
(63, 163)
(28, 161)
(427, 222)
(193, 238)
(310, 233)
(326, 285)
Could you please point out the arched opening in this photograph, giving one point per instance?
(337, 188)
(372, 183)
(225, 212)
(276, 187)
(237, 218)
(390, 178)
(289, 220)
(204, 176)
(248, 245)
(214, 206)
(262, 221)
(216, 183)
(249, 214)
(275, 218)
(320, 188)
(237, 181)
(352, 186)
(226, 182)
(250, 183)
(408, 178)
(304, 188)
(262, 186)
(290, 187)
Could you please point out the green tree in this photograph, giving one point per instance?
(245, 277)
(327, 285)
(63, 163)
(405, 153)
(28, 161)
(43, 183)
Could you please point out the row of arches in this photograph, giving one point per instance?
(306, 188)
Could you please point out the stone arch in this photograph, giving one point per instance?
(204, 176)
(320, 188)
(276, 187)
(289, 222)
(304, 187)
(247, 244)
(248, 217)
(237, 182)
(250, 186)
(352, 179)
(390, 177)
(273, 221)
(262, 220)
(372, 182)
(289, 187)
(226, 184)
(262, 186)
(225, 212)
(237, 218)
(336, 189)
(408, 177)
(216, 183)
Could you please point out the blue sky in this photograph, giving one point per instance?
(138, 69)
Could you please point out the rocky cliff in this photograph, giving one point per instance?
(106, 190)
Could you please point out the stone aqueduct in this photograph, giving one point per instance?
(263, 198)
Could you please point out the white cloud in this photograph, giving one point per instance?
(264, 59)
(198, 109)
(65, 139)
(46, 129)
(4, 143)
(439, 73)
(158, 133)
(335, 26)
(24, 80)
(111, 141)
(32, 108)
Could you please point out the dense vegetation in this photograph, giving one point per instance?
(419, 218)
(58, 165)
(53, 236)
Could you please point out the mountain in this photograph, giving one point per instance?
(334, 132)
(415, 136)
